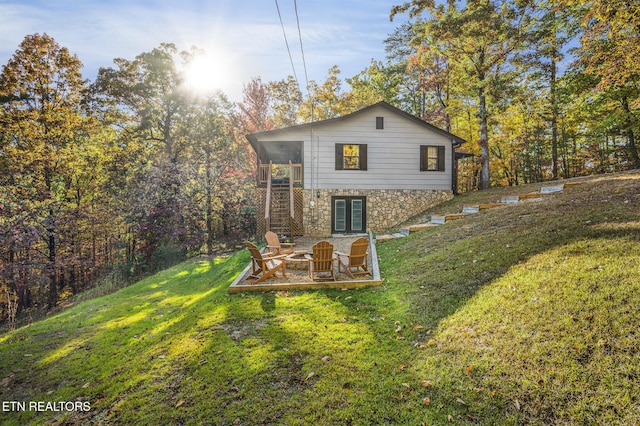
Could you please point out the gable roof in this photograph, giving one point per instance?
(457, 141)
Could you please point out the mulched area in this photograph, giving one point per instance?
(341, 244)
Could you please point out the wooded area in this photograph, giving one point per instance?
(130, 173)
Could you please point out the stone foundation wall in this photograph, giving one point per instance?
(386, 208)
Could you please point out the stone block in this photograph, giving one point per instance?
(438, 219)
(551, 189)
(510, 199)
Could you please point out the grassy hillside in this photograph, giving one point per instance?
(525, 314)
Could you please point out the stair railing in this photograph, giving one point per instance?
(291, 199)
(292, 209)
(267, 207)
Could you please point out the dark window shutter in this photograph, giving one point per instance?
(339, 156)
(441, 158)
(363, 156)
(423, 158)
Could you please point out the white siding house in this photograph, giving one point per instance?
(368, 170)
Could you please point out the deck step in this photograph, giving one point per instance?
(533, 195)
(443, 218)
(490, 206)
(455, 216)
(420, 227)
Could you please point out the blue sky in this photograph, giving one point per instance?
(244, 37)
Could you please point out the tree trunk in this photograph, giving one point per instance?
(631, 140)
(553, 101)
(485, 182)
(72, 268)
(53, 281)
(209, 206)
(554, 119)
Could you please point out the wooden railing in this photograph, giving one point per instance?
(265, 173)
(267, 207)
(292, 210)
(296, 173)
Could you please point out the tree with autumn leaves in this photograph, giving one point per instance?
(45, 137)
(131, 172)
(529, 73)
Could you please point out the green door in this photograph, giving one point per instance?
(348, 215)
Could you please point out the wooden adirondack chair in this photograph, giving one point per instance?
(356, 259)
(265, 265)
(275, 246)
(321, 261)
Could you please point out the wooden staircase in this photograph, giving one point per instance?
(280, 218)
(279, 203)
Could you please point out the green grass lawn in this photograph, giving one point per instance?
(525, 314)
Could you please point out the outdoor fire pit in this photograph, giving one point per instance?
(298, 261)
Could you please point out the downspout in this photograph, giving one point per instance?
(454, 169)
(312, 202)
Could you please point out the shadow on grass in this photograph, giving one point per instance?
(177, 348)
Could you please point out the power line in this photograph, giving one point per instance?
(287, 43)
(304, 63)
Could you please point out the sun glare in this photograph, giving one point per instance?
(206, 74)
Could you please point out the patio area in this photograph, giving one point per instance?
(297, 270)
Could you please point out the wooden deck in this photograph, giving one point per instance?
(297, 279)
